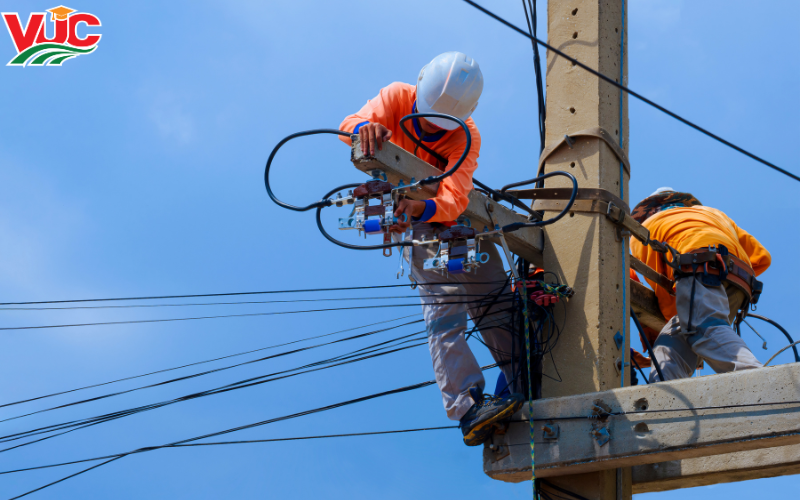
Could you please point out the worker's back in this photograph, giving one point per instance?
(692, 228)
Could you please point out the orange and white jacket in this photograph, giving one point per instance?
(387, 108)
(692, 228)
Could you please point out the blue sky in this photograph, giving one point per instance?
(137, 170)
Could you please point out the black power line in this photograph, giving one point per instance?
(194, 296)
(223, 316)
(631, 92)
(250, 426)
(36, 398)
(248, 441)
(344, 359)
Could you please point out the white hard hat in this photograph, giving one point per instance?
(663, 190)
(450, 84)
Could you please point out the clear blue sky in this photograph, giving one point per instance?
(137, 170)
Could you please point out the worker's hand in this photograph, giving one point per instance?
(373, 134)
(411, 208)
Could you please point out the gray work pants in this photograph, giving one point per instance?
(445, 308)
(712, 339)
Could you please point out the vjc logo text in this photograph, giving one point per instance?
(33, 46)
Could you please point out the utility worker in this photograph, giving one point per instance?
(451, 84)
(716, 278)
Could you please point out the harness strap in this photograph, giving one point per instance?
(717, 262)
(587, 200)
(596, 132)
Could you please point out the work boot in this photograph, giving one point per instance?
(479, 421)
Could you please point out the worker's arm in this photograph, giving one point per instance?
(453, 196)
(759, 257)
(374, 121)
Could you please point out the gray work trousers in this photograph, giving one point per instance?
(445, 308)
(712, 338)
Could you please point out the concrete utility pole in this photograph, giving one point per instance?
(584, 249)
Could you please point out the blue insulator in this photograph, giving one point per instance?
(372, 226)
(455, 266)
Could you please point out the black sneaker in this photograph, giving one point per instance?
(479, 422)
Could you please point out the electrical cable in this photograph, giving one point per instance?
(350, 246)
(647, 345)
(208, 372)
(636, 365)
(793, 344)
(782, 329)
(631, 92)
(160, 297)
(75, 425)
(323, 202)
(366, 398)
(250, 382)
(254, 302)
(247, 441)
(211, 360)
(519, 225)
(166, 320)
(537, 67)
(428, 180)
(491, 192)
(263, 422)
(436, 178)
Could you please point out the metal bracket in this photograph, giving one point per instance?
(489, 210)
(601, 435)
(550, 431)
(618, 340)
(499, 452)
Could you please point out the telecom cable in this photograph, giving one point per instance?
(575, 62)
(782, 329)
(224, 316)
(161, 297)
(210, 360)
(340, 360)
(519, 225)
(259, 424)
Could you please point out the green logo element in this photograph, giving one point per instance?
(44, 54)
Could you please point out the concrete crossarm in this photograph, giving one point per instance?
(726, 468)
(645, 305)
(399, 164)
(642, 438)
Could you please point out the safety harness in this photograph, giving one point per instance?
(714, 265)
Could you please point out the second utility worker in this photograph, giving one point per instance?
(716, 280)
(450, 84)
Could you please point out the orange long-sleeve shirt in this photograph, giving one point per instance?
(691, 228)
(393, 103)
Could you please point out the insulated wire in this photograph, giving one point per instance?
(208, 372)
(537, 67)
(634, 94)
(88, 422)
(776, 354)
(134, 306)
(248, 441)
(258, 424)
(165, 320)
(782, 329)
(85, 423)
(210, 360)
(194, 296)
(82, 423)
